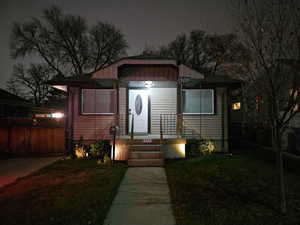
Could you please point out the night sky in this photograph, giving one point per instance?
(151, 22)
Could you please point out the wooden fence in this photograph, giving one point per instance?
(27, 137)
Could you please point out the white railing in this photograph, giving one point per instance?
(174, 124)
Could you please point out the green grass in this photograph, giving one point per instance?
(230, 190)
(68, 192)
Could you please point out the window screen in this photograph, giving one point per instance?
(98, 101)
(198, 101)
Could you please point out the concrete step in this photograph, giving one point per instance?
(146, 155)
(146, 141)
(144, 147)
(146, 162)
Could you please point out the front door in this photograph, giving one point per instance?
(138, 106)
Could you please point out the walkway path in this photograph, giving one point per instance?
(143, 198)
(12, 169)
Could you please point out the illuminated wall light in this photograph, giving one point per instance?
(57, 115)
(148, 84)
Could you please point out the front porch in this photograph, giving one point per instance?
(151, 149)
(148, 150)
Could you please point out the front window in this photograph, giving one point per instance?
(98, 101)
(198, 101)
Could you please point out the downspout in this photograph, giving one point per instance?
(223, 121)
(70, 120)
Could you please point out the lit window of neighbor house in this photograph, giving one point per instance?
(296, 108)
(294, 93)
(98, 101)
(258, 103)
(236, 106)
(198, 101)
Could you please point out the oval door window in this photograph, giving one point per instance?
(138, 105)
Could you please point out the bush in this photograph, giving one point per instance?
(192, 147)
(80, 152)
(100, 149)
(195, 147)
(206, 147)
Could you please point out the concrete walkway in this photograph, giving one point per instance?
(143, 198)
(12, 169)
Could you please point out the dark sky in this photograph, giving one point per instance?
(144, 22)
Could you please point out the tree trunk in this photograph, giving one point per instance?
(281, 183)
(282, 192)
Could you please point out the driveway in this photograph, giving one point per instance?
(12, 169)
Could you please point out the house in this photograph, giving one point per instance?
(163, 103)
(13, 106)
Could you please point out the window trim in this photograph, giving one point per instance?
(97, 114)
(195, 114)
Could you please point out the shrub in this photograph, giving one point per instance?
(100, 149)
(80, 152)
(206, 147)
(79, 149)
(192, 147)
(195, 147)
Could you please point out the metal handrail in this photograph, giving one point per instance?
(174, 124)
(161, 130)
(185, 125)
(132, 128)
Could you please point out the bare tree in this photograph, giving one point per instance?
(31, 82)
(66, 44)
(271, 31)
(205, 53)
(225, 50)
(14, 88)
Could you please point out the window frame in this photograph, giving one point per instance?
(95, 113)
(213, 91)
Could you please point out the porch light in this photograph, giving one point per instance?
(148, 84)
(57, 115)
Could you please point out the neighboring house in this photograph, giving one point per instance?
(164, 103)
(13, 106)
(253, 118)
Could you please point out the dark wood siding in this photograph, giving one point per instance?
(148, 72)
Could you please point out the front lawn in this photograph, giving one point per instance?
(69, 192)
(230, 190)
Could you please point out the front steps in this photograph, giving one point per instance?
(145, 153)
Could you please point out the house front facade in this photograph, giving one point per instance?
(150, 100)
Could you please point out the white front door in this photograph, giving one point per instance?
(138, 106)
